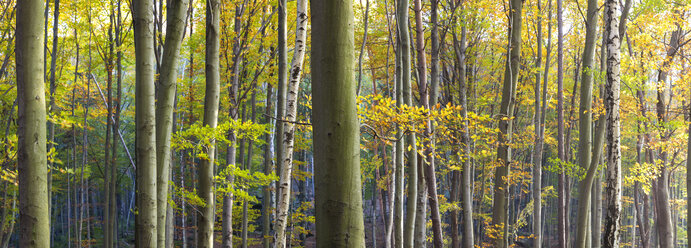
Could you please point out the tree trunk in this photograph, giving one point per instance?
(362, 51)
(537, 150)
(406, 91)
(613, 178)
(596, 212)
(288, 135)
(53, 106)
(175, 26)
(501, 185)
(663, 220)
(428, 100)
(146, 226)
(338, 207)
(266, 197)
(116, 125)
(398, 157)
(585, 123)
(34, 218)
(227, 225)
(466, 174)
(108, 177)
(281, 89)
(206, 215)
(561, 213)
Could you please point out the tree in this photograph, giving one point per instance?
(613, 188)
(585, 147)
(501, 185)
(146, 227)
(231, 153)
(206, 216)
(407, 98)
(663, 221)
(175, 25)
(428, 101)
(284, 189)
(561, 225)
(34, 220)
(338, 206)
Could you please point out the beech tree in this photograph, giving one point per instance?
(501, 189)
(34, 220)
(175, 25)
(338, 204)
(206, 216)
(146, 227)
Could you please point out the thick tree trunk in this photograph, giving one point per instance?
(338, 207)
(34, 218)
(175, 26)
(288, 135)
(501, 185)
(205, 217)
(613, 178)
(146, 225)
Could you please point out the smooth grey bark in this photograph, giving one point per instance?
(206, 214)
(234, 70)
(663, 217)
(428, 100)
(362, 49)
(34, 217)
(175, 26)
(420, 233)
(539, 139)
(403, 36)
(501, 185)
(398, 162)
(585, 122)
(338, 207)
(465, 176)
(145, 218)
